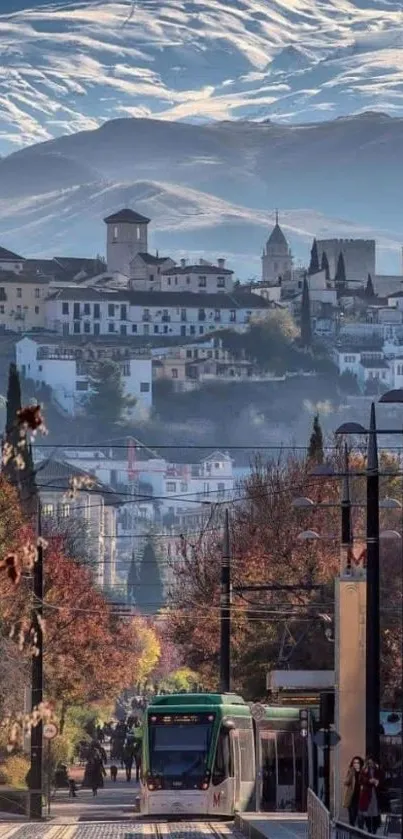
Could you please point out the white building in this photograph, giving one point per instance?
(90, 311)
(367, 365)
(126, 237)
(203, 278)
(92, 510)
(10, 261)
(66, 366)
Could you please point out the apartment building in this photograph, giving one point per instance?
(91, 311)
(203, 278)
(66, 364)
(22, 301)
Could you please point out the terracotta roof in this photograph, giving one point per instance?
(202, 270)
(6, 255)
(126, 216)
(57, 474)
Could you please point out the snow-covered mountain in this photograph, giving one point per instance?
(209, 189)
(70, 65)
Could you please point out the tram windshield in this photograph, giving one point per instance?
(179, 747)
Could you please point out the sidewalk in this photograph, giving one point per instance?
(272, 825)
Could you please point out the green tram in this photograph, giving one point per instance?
(198, 756)
(204, 754)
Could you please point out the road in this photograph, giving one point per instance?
(118, 830)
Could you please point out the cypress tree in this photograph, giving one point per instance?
(315, 449)
(306, 326)
(22, 478)
(132, 581)
(369, 288)
(340, 278)
(150, 589)
(314, 263)
(325, 266)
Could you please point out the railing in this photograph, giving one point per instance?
(319, 823)
(345, 831)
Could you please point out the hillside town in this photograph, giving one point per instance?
(155, 321)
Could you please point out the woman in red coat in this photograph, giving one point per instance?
(371, 778)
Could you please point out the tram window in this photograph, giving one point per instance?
(223, 763)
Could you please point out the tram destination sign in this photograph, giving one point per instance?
(182, 719)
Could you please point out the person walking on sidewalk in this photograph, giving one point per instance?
(352, 789)
(369, 807)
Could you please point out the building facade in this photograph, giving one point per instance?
(90, 311)
(203, 278)
(22, 301)
(126, 237)
(67, 367)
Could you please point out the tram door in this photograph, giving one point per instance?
(236, 760)
(276, 755)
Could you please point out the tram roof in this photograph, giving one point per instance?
(199, 701)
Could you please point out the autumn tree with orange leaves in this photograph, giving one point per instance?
(277, 628)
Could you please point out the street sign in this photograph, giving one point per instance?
(258, 711)
(50, 731)
(320, 738)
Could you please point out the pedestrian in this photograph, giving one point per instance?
(369, 809)
(95, 773)
(114, 773)
(352, 789)
(128, 757)
(72, 788)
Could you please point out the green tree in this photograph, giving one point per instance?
(306, 326)
(150, 590)
(314, 262)
(107, 402)
(19, 466)
(325, 266)
(340, 277)
(315, 448)
(369, 288)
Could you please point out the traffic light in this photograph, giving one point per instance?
(304, 721)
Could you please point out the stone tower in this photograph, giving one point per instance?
(276, 257)
(126, 237)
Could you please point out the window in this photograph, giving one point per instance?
(202, 314)
(232, 315)
(2, 309)
(176, 281)
(202, 282)
(165, 329)
(144, 387)
(97, 311)
(222, 768)
(156, 328)
(81, 385)
(87, 327)
(40, 368)
(111, 327)
(111, 310)
(115, 233)
(201, 330)
(19, 292)
(126, 369)
(193, 330)
(188, 353)
(183, 314)
(187, 280)
(76, 327)
(96, 328)
(138, 233)
(37, 293)
(220, 282)
(221, 489)
(47, 509)
(123, 329)
(134, 327)
(151, 278)
(65, 329)
(146, 329)
(76, 311)
(146, 315)
(37, 310)
(123, 311)
(184, 486)
(169, 281)
(64, 510)
(86, 309)
(174, 372)
(165, 316)
(171, 486)
(217, 315)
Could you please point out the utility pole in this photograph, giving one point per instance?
(372, 691)
(35, 796)
(225, 611)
